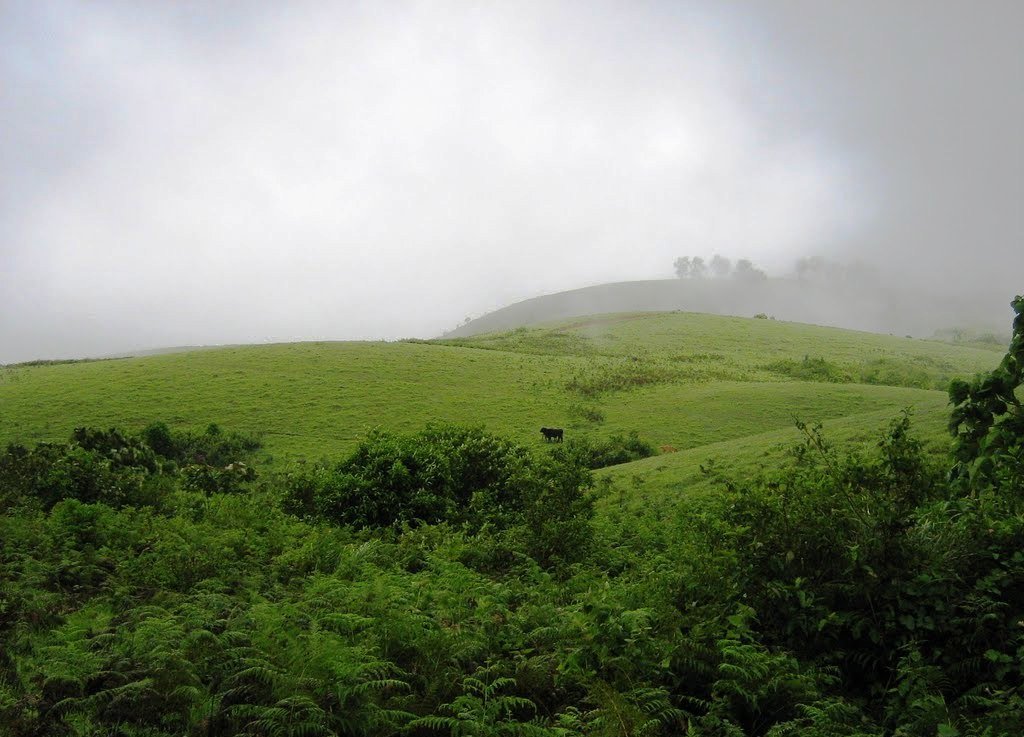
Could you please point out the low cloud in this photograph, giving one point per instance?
(184, 174)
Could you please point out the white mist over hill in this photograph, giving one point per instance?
(191, 173)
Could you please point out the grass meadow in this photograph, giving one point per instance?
(752, 578)
(700, 383)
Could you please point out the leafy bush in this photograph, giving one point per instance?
(118, 469)
(213, 447)
(121, 450)
(913, 590)
(450, 474)
(392, 479)
(51, 472)
(987, 422)
(231, 479)
(611, 451)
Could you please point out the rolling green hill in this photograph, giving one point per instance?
(448, 581)
(848, 303)
(680, 379)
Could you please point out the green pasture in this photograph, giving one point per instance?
(657, 485)
(744, 344)
(687, 417)
(700, 383)
(307, 400)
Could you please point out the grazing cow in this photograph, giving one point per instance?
(668, 449)
(552, 434)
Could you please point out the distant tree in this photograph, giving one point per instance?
(690, 268)
(811, 268)
(746, 271)
(720, 266)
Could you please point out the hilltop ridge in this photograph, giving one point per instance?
(847, 304)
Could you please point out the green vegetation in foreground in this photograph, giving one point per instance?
(676, 379)
(454, 582)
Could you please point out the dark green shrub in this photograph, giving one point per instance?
(391, 479)
(117, 469)
(556, 511)
(212, 447)
(872, 566)
(230, 479)
(52, 472)
(451, 474)
(987, 422)
(123, 451)
(158, 437)
(611, 451)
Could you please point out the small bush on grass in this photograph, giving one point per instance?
(611, 451)
(212, 447)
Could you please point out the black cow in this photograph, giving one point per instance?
(552, 433)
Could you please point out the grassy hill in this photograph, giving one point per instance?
(680, 379)
(446, 582)
(852, 303)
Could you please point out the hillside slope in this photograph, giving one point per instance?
(677, 379)
(849, 305)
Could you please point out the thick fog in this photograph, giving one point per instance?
(195, 173)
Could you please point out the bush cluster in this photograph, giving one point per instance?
(610, 451)
(118, 469)
(212, 447)
(459, 475)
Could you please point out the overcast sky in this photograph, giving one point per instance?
(192, 172)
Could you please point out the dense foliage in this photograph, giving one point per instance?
(453, 583)
(609, 451)
(988, 421)
(452, 474)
